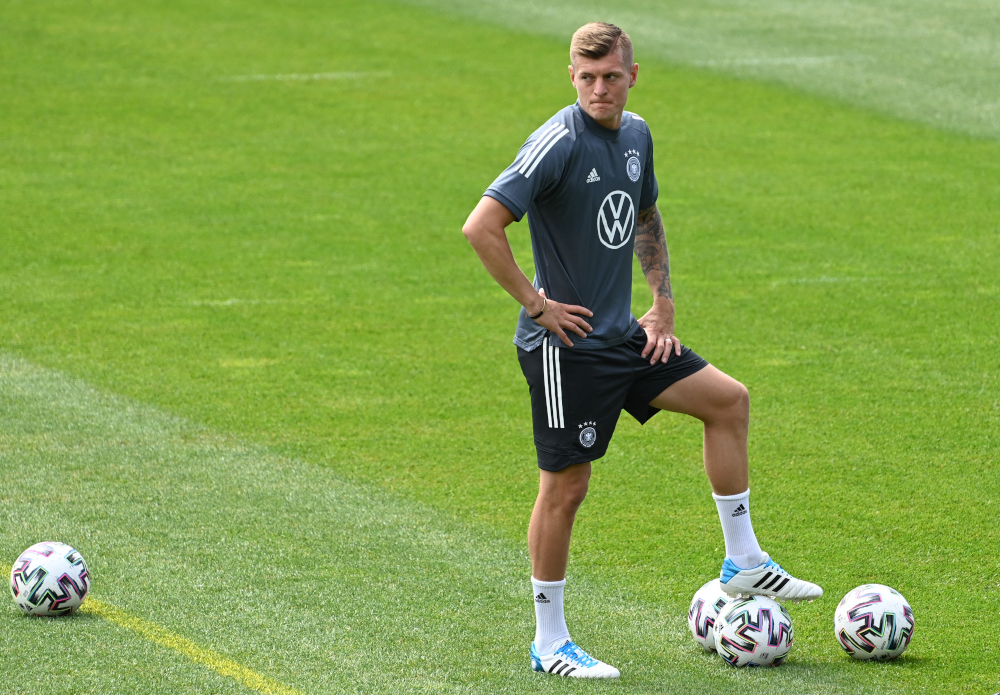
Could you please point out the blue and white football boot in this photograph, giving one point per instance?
(569, 660)
(767, 579)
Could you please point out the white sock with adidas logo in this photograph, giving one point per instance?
(550, 622)
(741, 543)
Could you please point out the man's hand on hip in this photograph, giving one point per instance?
(559, 318)
(658, 323)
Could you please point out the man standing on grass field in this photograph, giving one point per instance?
(586, 179)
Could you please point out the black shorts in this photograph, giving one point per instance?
(577, 395)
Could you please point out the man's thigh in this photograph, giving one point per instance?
(702, 394)
(651, 380)
(576, 398)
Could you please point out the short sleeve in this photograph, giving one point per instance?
(537, 169)
(650, 188)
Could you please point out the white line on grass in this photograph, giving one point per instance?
(344, 587)
(303, 77)
(236, 302)
(822, 280)
(788, 60)
(926, 60)
(169, 640)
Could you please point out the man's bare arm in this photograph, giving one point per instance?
(651, 250)
(486, 230)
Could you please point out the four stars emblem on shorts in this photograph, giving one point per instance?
(588, 435)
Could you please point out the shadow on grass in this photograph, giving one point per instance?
(801, 674)
(76, 618)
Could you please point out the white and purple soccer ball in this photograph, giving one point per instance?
(705, 607)
(874, 621)
(49, 578)
(754, 631)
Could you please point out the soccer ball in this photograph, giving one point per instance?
(705, 607)
(49, 579)
(874, 622)
(754, 631)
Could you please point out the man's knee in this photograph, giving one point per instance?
(567, 488)
(731, 407)
(739, 405)
(742, 399)
(575, 493)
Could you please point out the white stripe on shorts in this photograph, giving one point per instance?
(552, 384)
(552, 378)
(562, 424)
(545, 379)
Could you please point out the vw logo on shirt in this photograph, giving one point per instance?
(616, 219)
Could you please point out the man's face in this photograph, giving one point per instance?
(602, 85)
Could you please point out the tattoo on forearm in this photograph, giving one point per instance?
(651, 250)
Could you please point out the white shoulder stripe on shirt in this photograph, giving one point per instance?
(534, 146)
(546, 141)
(544, 152)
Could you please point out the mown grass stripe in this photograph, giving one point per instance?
(338, 586)
(872, 55)
(169, 640)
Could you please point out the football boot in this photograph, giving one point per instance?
(766, 579)
(571, 661)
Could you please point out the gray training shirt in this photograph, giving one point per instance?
(582, 186)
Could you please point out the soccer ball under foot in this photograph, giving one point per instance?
(704, 611)
(754, 631)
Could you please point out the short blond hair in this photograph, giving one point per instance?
(598, 39)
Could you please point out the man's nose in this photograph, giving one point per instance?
(600, 86)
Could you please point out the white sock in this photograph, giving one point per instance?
(741, 543)
(550, 623)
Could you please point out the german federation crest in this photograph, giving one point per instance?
(588, 435)
(633, 169)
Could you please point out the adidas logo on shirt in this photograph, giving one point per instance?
(592, 176)
(540, 598)
(740, 510)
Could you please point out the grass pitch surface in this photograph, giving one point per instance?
(240, 224)
(923, 60)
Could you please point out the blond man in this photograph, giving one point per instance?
(587, 182)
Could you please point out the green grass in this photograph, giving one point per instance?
(923, 60)
(279, 264)
(292, 571)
